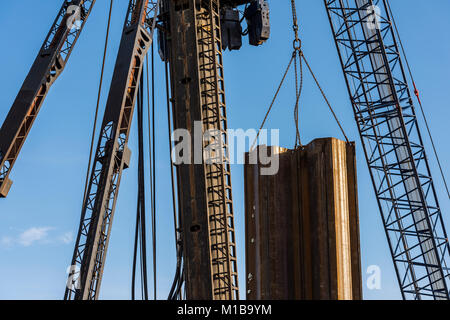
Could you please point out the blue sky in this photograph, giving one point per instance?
(40, 217)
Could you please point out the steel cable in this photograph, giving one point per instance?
(140, 236)
(416, 92)
(98, 102)
(273, 101)
(298, 90)
(178, 242)
(324, 96)
(298, 87)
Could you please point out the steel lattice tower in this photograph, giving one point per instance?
(393, 145)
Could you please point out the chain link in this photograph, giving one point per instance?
(297, 42)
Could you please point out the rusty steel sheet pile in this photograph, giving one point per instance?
(302, 224)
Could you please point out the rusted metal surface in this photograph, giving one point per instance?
(302, 227)
(111, 157)
(204, 189)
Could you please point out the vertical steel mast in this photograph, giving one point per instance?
(204, 189)
(48, 65)
(393, 145)
(112, 154)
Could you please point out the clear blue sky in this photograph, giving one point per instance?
(40, 217)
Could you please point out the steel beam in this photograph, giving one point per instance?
(198, 96)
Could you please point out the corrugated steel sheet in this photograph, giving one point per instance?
(302, 225)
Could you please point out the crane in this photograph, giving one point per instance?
(47, 67)
(206, 209)
(194, 34)
(385, 114)
(192, 27)
(112, 154)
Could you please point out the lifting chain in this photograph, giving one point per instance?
(297, 44)
(297, 41)
(296, 54)
(298, 58)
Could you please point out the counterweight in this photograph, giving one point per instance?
(393, 146)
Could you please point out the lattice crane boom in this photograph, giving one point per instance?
(47, 67)
(393, 146)
(112, 154)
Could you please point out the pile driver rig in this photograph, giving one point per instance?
(193, 41)
(206, 209)
(193, 35)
